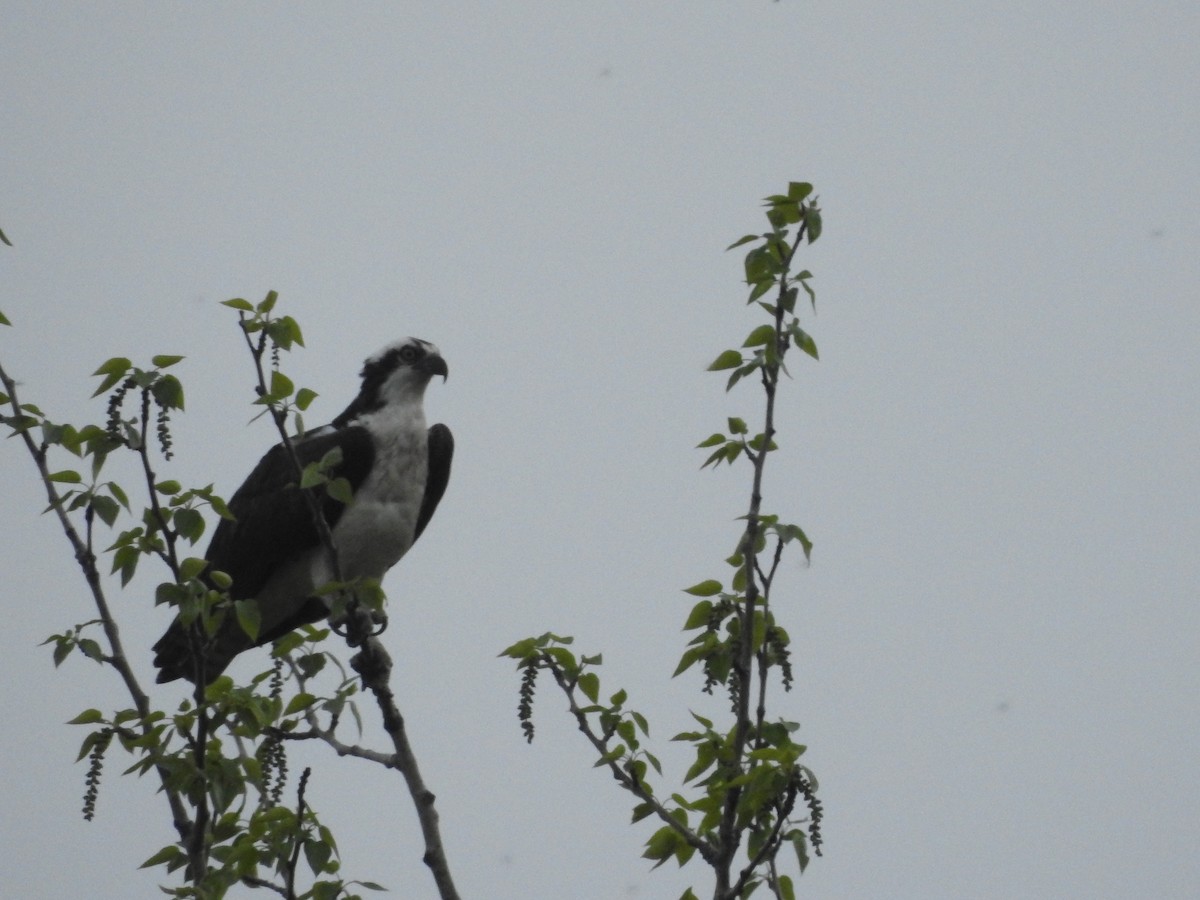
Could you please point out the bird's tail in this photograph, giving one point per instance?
(180, 654)
(175, 654)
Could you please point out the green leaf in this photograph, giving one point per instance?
(742, 240)
(117, 365)
(786, 889)
(761, 265)
(118, 494)
(312, 476)
(761, 288)
(763, 334)
(812, 221)
(699, 615)
(563, 657)
(87, 717)
(298, 703)
(661, 844)
(689, 659)
(285, 332)
(706, 755)
(737, 426)
(113, 371)
(268, 302)
(705, 588)
(221, 508)
(799, 191)
(168, 392)
(803, 340)
(3, 317)
(788, 213)
(248, 617)
(61, 651)
(168, 487)
(163, 361)
(66, 476)
(331, 460)
(756, 443)
(191, 568)
(611, 756)
(520, 650)
(189, 524)
(304, 397)
(106, 508)
(281, 385)
(168, 855)
(788, 301)
(803, 279)
(795, 532)
(239, 303)
(317, 854)
(711, 441)
(339, 489)
(714, 458)
(125, 561)
(641, 811)
(801, 847)
(727, 360)
(589, 683)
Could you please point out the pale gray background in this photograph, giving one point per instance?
(997, 642)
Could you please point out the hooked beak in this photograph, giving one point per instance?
(434, 365)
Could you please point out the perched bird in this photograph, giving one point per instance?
(398, 471)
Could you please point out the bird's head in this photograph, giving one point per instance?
(398, 374)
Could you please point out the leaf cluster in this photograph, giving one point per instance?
(220, 755)
(749, 795)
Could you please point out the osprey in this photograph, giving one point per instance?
(398, 470)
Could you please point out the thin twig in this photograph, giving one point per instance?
(623, 777)
(251, 881)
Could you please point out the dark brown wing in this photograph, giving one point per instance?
(441, 452)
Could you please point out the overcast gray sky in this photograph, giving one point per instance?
(997, 643)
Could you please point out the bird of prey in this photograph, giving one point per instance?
(398, 471)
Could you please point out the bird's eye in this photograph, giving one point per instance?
(409, 353)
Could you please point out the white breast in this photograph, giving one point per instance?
(377, 528)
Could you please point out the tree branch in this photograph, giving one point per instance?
(87, 563)
(729, 835)
(622, 777)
